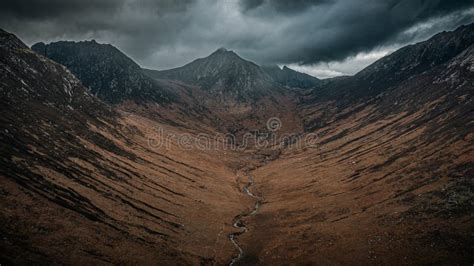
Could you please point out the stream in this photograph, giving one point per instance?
(238, 223)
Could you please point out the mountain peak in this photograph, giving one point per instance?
(222, 50)
(223, 73)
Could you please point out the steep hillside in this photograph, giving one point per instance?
(386, 180)
(109, 74)
(84, 183)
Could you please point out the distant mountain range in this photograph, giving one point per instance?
(114, 77)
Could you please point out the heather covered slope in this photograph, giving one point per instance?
(81, 182)
(387, 180)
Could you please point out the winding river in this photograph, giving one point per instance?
(238, 223)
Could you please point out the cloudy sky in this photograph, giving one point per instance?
(325, 38)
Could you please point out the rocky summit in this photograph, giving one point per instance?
(223, 73)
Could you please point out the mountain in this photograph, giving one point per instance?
(78, 174)
(223, 73)
(108, 73)
(238, 93)
(29, 80)
(385, 175)
(401, 65)
(290, 78)
(416, 58)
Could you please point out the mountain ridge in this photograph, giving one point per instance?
(120, 78)
(400, 65)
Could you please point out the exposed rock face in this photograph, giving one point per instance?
(9, 41)
(110, 74)
(290, 78)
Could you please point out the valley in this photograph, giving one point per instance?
(225, 162)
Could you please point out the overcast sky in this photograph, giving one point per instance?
(324, 38)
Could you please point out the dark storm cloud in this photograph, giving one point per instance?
(43, 9)
(169, 33)
(334, 30)
(138, 26)
(283, 6)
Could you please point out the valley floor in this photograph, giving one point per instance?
(379, 192)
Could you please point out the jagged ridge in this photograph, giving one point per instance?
(110, 74)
